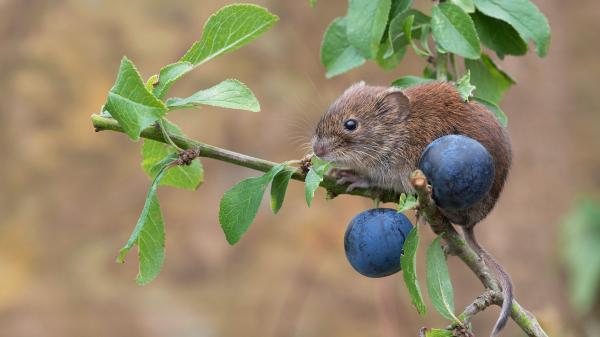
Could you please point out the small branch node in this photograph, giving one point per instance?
(305, 163)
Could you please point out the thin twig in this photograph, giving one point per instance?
(458, 246)
(481, 303)
(209, 151)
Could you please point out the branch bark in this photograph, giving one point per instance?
(458, 247)
(439, 224)
(102, 123)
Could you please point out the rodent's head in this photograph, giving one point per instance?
(356, 131)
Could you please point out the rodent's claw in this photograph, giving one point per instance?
(355, 182)
(348, 176)
(358, 184)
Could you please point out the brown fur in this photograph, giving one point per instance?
(390, 139)
(395, 126)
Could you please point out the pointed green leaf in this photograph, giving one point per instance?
(439, 286)
(337, 55)
(231, 94)
(524, 16)
(369, 19)
(466, 5)
(408, 262)
(498, 35)
(407, 202)
(240, 204)
(229, 29)
(278, 188)
(387, 58)
(184, 177)
(149, 235)
(491, 82)
(464, 86)
(409, 81)
(495, 109)
(130, 103)
(453, 30)
(396, 33)
(314, 177)
(169, 75)
(399, 6)
(438, 333)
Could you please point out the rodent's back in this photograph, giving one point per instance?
(437, 109)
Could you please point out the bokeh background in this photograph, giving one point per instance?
(69, 197)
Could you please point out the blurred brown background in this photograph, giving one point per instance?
(70, 197)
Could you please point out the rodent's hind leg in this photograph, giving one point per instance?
(349, 176)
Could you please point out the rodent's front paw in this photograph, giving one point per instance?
(348, 176)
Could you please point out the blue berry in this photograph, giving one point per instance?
(374, 240)
(460, 170)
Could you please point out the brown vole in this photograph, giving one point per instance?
(377, 135)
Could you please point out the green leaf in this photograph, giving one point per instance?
(387, 58)
(278, 188)
(369, 19)
(130, 103)
(312, 3)
(149, 235)
(429, 73)
(407, 202)
(240, 204)
(314, 177)
(399, 6)
(495, 109)
(337, 55)
(524, 16)
(438, 333)
(498, 35)
(184, 177)
(169, 75)
(580, 253)
(231, 94)
(438, 281)
(464, 86)
(491, 82)
(409, 81)
(229, 29)
(466, 5)
(396, 28)
(408, 262)
(454, 31)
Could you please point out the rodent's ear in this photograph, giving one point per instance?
(395, 99)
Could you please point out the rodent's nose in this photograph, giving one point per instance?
(320, 149)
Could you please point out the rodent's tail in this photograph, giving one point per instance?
(504, 279)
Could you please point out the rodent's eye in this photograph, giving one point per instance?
(350, 124)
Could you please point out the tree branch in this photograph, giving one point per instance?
(481, 303)
(102, 123)
(458, 246)
(427, 208)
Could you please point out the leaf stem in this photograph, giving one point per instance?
(441, 66)
(163, 129)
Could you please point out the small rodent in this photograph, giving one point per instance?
(377, 134)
